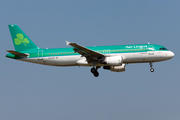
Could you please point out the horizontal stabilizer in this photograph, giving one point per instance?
(17, 53)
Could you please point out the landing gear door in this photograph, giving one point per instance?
(40, 55)
(150, 50)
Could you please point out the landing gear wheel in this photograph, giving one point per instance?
(93, 70)
(152, 70)
(96, 74)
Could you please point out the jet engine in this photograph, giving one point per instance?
(116, 68)
(113, 60)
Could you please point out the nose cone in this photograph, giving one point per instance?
(170, 54)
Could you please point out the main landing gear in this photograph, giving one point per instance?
(152, 69)
(94, 71)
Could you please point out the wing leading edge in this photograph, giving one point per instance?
(84, 51)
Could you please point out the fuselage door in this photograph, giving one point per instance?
(150, 50)
(40, 55)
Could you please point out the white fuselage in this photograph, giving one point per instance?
(77, 60)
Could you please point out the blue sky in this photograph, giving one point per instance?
(31, 91)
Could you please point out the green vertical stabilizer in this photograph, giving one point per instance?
(20, 40)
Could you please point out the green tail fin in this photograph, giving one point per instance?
(20, 40)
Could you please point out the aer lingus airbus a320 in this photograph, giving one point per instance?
(113, 58)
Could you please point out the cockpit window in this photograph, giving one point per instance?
(162, 49)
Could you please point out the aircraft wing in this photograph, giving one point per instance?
(85, 52)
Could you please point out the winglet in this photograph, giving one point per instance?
(67, 43)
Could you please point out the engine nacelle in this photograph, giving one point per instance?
(116, 68)
(113, 61)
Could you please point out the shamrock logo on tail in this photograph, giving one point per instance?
(20, 39)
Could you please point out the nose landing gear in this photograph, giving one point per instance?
(94, 71)
(152, 69)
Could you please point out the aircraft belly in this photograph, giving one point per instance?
(142, 57)
(55, 61)
(63, 60)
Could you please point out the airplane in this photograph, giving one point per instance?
(113, 58)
